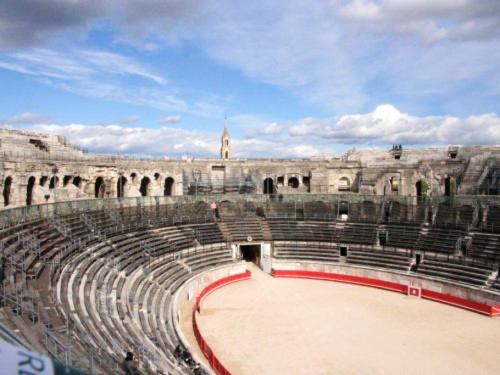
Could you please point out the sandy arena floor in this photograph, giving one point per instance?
(293, 326)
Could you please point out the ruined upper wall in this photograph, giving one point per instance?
(39, 168)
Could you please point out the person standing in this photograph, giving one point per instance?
(213, 208)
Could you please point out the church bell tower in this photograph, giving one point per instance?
(225, 150)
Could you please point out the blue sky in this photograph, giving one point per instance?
(295, 78)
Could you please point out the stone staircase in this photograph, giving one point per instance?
(476, 172)
(266, 231)
(225, 231)
(240, 230)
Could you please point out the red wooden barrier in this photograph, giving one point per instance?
(217, 366)
(396, 287)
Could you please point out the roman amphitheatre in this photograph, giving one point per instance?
(376, 261)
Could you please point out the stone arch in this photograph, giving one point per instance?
(268, 187)
(394, 182)
(43, 180)
(7, 190)
(169, 186)
(99, 187)
(54, 181)
(120, 186)
(77, 181)
(67, 180)
(29, 190)
(344, 184)
(421, 188)
(145, 185)
(293, 182)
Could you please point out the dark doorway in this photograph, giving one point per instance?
(43, 180)
(53, 182)
(251, 253)
(418, 185)
(306, 181)
(99, 187)
(29, 190)
(144, 189)
(343, 208)
(66, 180)
(77, 181)
(7, 185)
(293, 182)
(387, 211)
(418, 259)
(169, 184)
(383, 237)
(120, 187)
(269, 186)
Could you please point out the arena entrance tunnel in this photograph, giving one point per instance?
(251, 253)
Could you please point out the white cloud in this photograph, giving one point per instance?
(135, 140)
(272, 128)
(175, 142)
(305, 126)
(431, 20)
(90, 73)
(25, 118)
(76, 64)
(173, 119)
(112, 63)
(278, 147)
(308, 137)
(128, 120)
(387, 125)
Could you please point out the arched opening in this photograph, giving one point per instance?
(269, 186)
(77, 181)
(293, 182)
(43, 180)
(169, 186)
(344, 184)
(7, 185)
(120, 187)
(227, 155)
(66, 180)
(157, 176)
(394, 181)
(99, 187)
(133, 176)
(422, 187)
(418, 186)
(145, 186)
(343, 208)
(449, 186)
(306, 181)
(53, 182)
(29, 190)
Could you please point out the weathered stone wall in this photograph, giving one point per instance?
(58, 171)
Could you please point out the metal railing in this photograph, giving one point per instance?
(14, 216)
